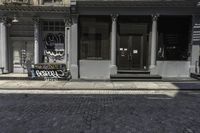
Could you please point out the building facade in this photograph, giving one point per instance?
(99, 39)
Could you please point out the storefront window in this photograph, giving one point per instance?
(173, 41)
(53, 41)
(95, 37)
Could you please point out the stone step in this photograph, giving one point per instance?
(133, 72)
(135, 76)
(195, 76)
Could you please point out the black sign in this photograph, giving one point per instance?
(196, 31)
(50, 71)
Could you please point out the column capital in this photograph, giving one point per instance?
(74, 18)
(4, 19)
(68, 21)
(36, 20)
(155, 17)
(114, 17)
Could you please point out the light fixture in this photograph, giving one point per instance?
(198, 4)
(15, 20)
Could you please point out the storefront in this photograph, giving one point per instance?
(149, 37)
(31, 35)
(102, 39)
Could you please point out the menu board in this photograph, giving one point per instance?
(196, 31)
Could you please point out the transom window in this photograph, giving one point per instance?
(52, 1)
(53, 26)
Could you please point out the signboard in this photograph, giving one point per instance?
(196, 31)
(50, 71)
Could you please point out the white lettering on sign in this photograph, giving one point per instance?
(50, 73)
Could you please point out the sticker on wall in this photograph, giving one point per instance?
(135, 51)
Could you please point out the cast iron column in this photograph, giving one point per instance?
(67, 41)
(113, 67)
(4, 49)
(153, 41)
(36, 40)
(74, 47)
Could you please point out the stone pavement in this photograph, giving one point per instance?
(146, 113)
(97, 85)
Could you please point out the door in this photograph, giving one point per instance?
(22, 56)
(130, 52)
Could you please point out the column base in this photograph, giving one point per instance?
(3, 71)
(113, 69)
(193, 69)
(74, 71)
(153, 69)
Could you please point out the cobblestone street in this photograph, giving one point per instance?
(139, 113)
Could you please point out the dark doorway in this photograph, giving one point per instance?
(133, 38)
(130, 52)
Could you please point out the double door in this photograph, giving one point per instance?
(131, 52)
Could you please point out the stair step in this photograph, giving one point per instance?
(135, 76)
(133, 72)
(195, 76)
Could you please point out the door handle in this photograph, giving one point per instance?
(131, 56)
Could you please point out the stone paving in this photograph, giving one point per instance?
(95, 85)
(134, 113)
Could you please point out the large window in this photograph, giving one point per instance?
(94, 37)
(53, 36)
(174, 34)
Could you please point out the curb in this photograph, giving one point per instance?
(100, 89)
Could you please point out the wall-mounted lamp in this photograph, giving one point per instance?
(15, 20)
(198, 4)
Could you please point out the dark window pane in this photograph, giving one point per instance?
(95, 37)
(173, 37)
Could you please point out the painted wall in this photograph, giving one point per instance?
(94, 69)
(173, 68)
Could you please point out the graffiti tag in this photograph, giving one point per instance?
(54, 46)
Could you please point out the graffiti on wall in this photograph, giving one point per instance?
(55, 46)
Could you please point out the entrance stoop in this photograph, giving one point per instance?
(134, 75)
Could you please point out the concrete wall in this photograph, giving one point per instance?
(94, 69)
(173, 68)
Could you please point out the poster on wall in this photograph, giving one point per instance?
(196, 30)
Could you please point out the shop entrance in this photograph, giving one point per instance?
(23, 56)
(130, 52)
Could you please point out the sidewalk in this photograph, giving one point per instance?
(96, 85)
